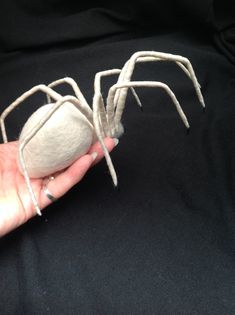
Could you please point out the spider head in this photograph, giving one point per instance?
(118, 131)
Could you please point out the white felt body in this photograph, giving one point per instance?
(65, 137)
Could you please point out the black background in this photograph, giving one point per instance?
(164, 243)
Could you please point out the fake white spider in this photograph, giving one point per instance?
(69, 120)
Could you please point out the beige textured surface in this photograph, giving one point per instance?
(66, 136)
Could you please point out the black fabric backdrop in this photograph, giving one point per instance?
(164, 243)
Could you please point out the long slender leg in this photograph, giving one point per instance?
(97, 90)
(114, 117)
(77, 92)
(98, 103)
(97, 82)
(163, 57)
(31, 134)
(153, 59)
(146, 59)
(104, 128)
(99, 111)
(42, 88)
(100, 138)
(186, 67)
(145, 56)
(100, 119)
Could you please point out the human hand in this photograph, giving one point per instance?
(16, 206)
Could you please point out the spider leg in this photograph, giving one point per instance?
(103, 123)
(77, 92)
(98, 103)
(183, 66)
(100, 118)
(153, 59)
(97, 90)
(42, 88)
(114, 117)
(31, 134)
(101, 74)
(109, 162)
(144, 56)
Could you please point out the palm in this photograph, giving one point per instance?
(14, 197)
(15, 203)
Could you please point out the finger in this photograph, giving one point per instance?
(110, 143)
(65, 180)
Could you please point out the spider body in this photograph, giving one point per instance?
(64, 129)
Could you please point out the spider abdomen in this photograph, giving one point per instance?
(65, 137)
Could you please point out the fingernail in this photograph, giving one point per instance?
(116, 141)
(94, 155)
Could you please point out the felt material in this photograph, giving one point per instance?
(163, 243)
(65, 137)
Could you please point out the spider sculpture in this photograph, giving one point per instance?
(63, 130)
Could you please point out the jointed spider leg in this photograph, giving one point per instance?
(30, 135)
(42, 88)
(100, 137)
(98, 102)
(97, 90)
(101, 74)
(114, 116)
(145, 56)
(153, 59)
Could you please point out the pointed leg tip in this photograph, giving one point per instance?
(141, 108)
(117, 187)
(115, 182)
(204, 109)
(202, 102)
(188, 131)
